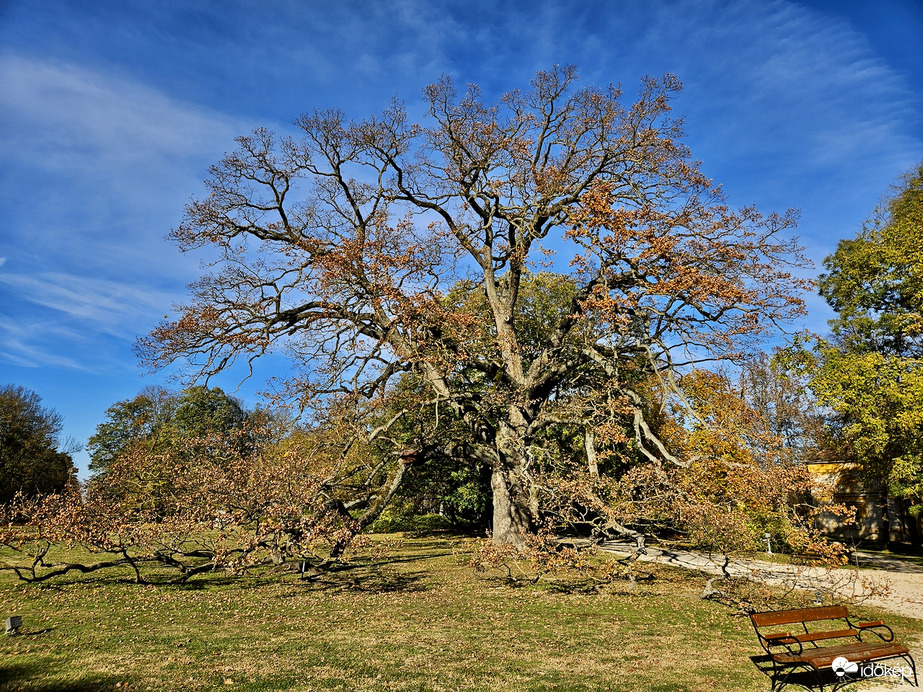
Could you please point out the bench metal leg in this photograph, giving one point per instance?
(913, 667)
(781, 675)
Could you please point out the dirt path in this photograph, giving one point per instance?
(895, 586)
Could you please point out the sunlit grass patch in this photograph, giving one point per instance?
(418, 619)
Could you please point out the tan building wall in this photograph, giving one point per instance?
(842, 482)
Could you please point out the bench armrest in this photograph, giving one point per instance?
(874, 627)
(789, 642)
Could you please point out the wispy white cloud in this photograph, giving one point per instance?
(106, 121)
(97, 166)
(782, 102)
(786, 105)
(782, 82)
(106, 306)
(35, 343)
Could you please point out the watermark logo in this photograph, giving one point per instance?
(842, 665)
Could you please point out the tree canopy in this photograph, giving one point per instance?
(532, 260)
(875, 280)
(145, 417)
(167, 429)
(160, 418)
(31, 459)
(871, 374)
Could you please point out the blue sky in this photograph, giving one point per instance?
(111, 112)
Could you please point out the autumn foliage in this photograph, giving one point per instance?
(227, 509)
(509, 288)
(373, 249)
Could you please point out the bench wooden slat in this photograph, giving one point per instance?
(787, 617)
(811, 636)
(856, 653)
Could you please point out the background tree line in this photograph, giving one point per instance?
(869, 372)
(34, 459)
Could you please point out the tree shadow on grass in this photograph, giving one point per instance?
(335, 574)
(375, 581)
(27, 676)
(359, 564)
(33, 634)
(211, 581)
(905, 564)
(388, 583)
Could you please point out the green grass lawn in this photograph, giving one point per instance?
(419, 620)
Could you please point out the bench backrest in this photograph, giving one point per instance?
(785, 617)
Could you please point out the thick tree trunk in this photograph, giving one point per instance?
(512, 515)
(514, 505)
(916, 541)
(885, 521)
(589, 440)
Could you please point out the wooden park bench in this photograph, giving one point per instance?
(809, 559)
(814, 558)
(808, 646)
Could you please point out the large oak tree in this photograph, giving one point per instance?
(374, 248)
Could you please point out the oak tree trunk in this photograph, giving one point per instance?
(513, 502)
(512, 520)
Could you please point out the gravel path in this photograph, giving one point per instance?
(897, 587)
